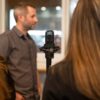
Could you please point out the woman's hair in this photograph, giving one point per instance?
(84, 47)
(4, 88)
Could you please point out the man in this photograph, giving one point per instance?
(19, 51)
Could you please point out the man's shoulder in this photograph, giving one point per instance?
(5, 33)
(5, 36)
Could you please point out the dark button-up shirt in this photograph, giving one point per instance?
(20, 54)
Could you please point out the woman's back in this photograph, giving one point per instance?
(60, 84)
(80, 77)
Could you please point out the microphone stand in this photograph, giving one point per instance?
(49, 48)
(49, 54)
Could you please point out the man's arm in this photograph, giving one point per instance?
(19, 96)
(4, 52)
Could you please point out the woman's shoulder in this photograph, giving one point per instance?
(61, 67)
(62, 71)
(62, 74)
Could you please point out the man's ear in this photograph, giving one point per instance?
(20, 17)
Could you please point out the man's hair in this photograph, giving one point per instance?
(21, 8)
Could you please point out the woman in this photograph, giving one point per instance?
(6, 86)
(77, 76)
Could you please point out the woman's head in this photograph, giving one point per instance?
(84, 46)
(85, 27)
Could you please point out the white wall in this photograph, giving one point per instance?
(2, 16)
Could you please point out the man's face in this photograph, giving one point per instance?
(30, 19)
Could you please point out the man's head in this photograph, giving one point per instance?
(25, 15)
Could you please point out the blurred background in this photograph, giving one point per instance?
(52, 15)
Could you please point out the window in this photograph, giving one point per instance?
(72, 5)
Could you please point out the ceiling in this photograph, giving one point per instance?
(36, 3)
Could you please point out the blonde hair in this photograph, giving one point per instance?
(4, 88)
(84, 47)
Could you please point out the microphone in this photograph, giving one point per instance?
(49, 47)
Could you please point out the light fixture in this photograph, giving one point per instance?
(58, 8)
(43, 8)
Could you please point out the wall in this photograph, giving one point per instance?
(2, 16)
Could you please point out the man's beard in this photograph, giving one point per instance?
(28, 27)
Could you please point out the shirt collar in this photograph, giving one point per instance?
(18, 32)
